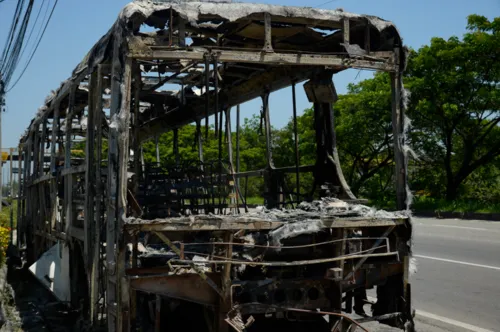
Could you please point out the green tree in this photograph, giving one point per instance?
(364, 135)
(455, 103)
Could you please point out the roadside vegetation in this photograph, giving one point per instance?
(5, 231)
(453, 89)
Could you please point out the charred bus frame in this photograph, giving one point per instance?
(221, 55)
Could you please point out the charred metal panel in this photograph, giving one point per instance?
(189, 287)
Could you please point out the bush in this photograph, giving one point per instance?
(422, 203)
(4, 233)
(4, 243)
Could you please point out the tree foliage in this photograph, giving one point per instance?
(364, 133)
(455, 103)
(455, 112)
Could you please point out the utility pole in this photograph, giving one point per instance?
(2, 105)
(11, 195)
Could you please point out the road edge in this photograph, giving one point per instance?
(492, 217)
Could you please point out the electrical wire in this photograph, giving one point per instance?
(16, 50)
(326, 3)
(33, 26)
(36, 47)
(12, 30)
(40, 30)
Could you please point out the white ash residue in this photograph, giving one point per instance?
(307, 217)
(323, 208)
(294, 229)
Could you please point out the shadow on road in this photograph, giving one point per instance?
(31, 307)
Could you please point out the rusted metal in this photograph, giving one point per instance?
(183, 245)
(189, 242)
(206, 57)
(189, 287)
(315, 312)
(198, 270)
(296, 141)
(293, 263)
(238, 151)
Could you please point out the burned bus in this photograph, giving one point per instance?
(134, 244)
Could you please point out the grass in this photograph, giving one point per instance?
(442, 205)
(255, 200)
(5, 215)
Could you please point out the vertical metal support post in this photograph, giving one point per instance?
(398, 136)
(53, 142)
(328, 170)
(182, 31)
(20, 191)
(27, 223)
(224, 302)
(95, 271)
(220, 139)
(36, 157)
(138, 175)
(332, 139)
(143, 164)
(267, 124)
(21, 227)
(229, 139)
(122, 137)
(237, 153)
(207, 88)
(42, 145)
(34, 202)
(367, 37)
(176, 146)
(157, 149)
(230, 158)
(296, 140)
(11, 152)
(268, 43)
(271, 178)
(53, 169)
(133, 292)
(117, 188)
(216, 95)
(36, 199)
(90, 173)
(401, 163)
(43, 198)
(200, 141)
(336, 291)
(68, 178)
(137, 144)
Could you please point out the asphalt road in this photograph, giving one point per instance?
(458, 276)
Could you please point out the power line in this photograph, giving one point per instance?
(16, 50)
(10, 37)
(36, 47)
(33, 27)
(326, 3)
(40, 30)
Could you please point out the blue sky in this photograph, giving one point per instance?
(77, 25)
